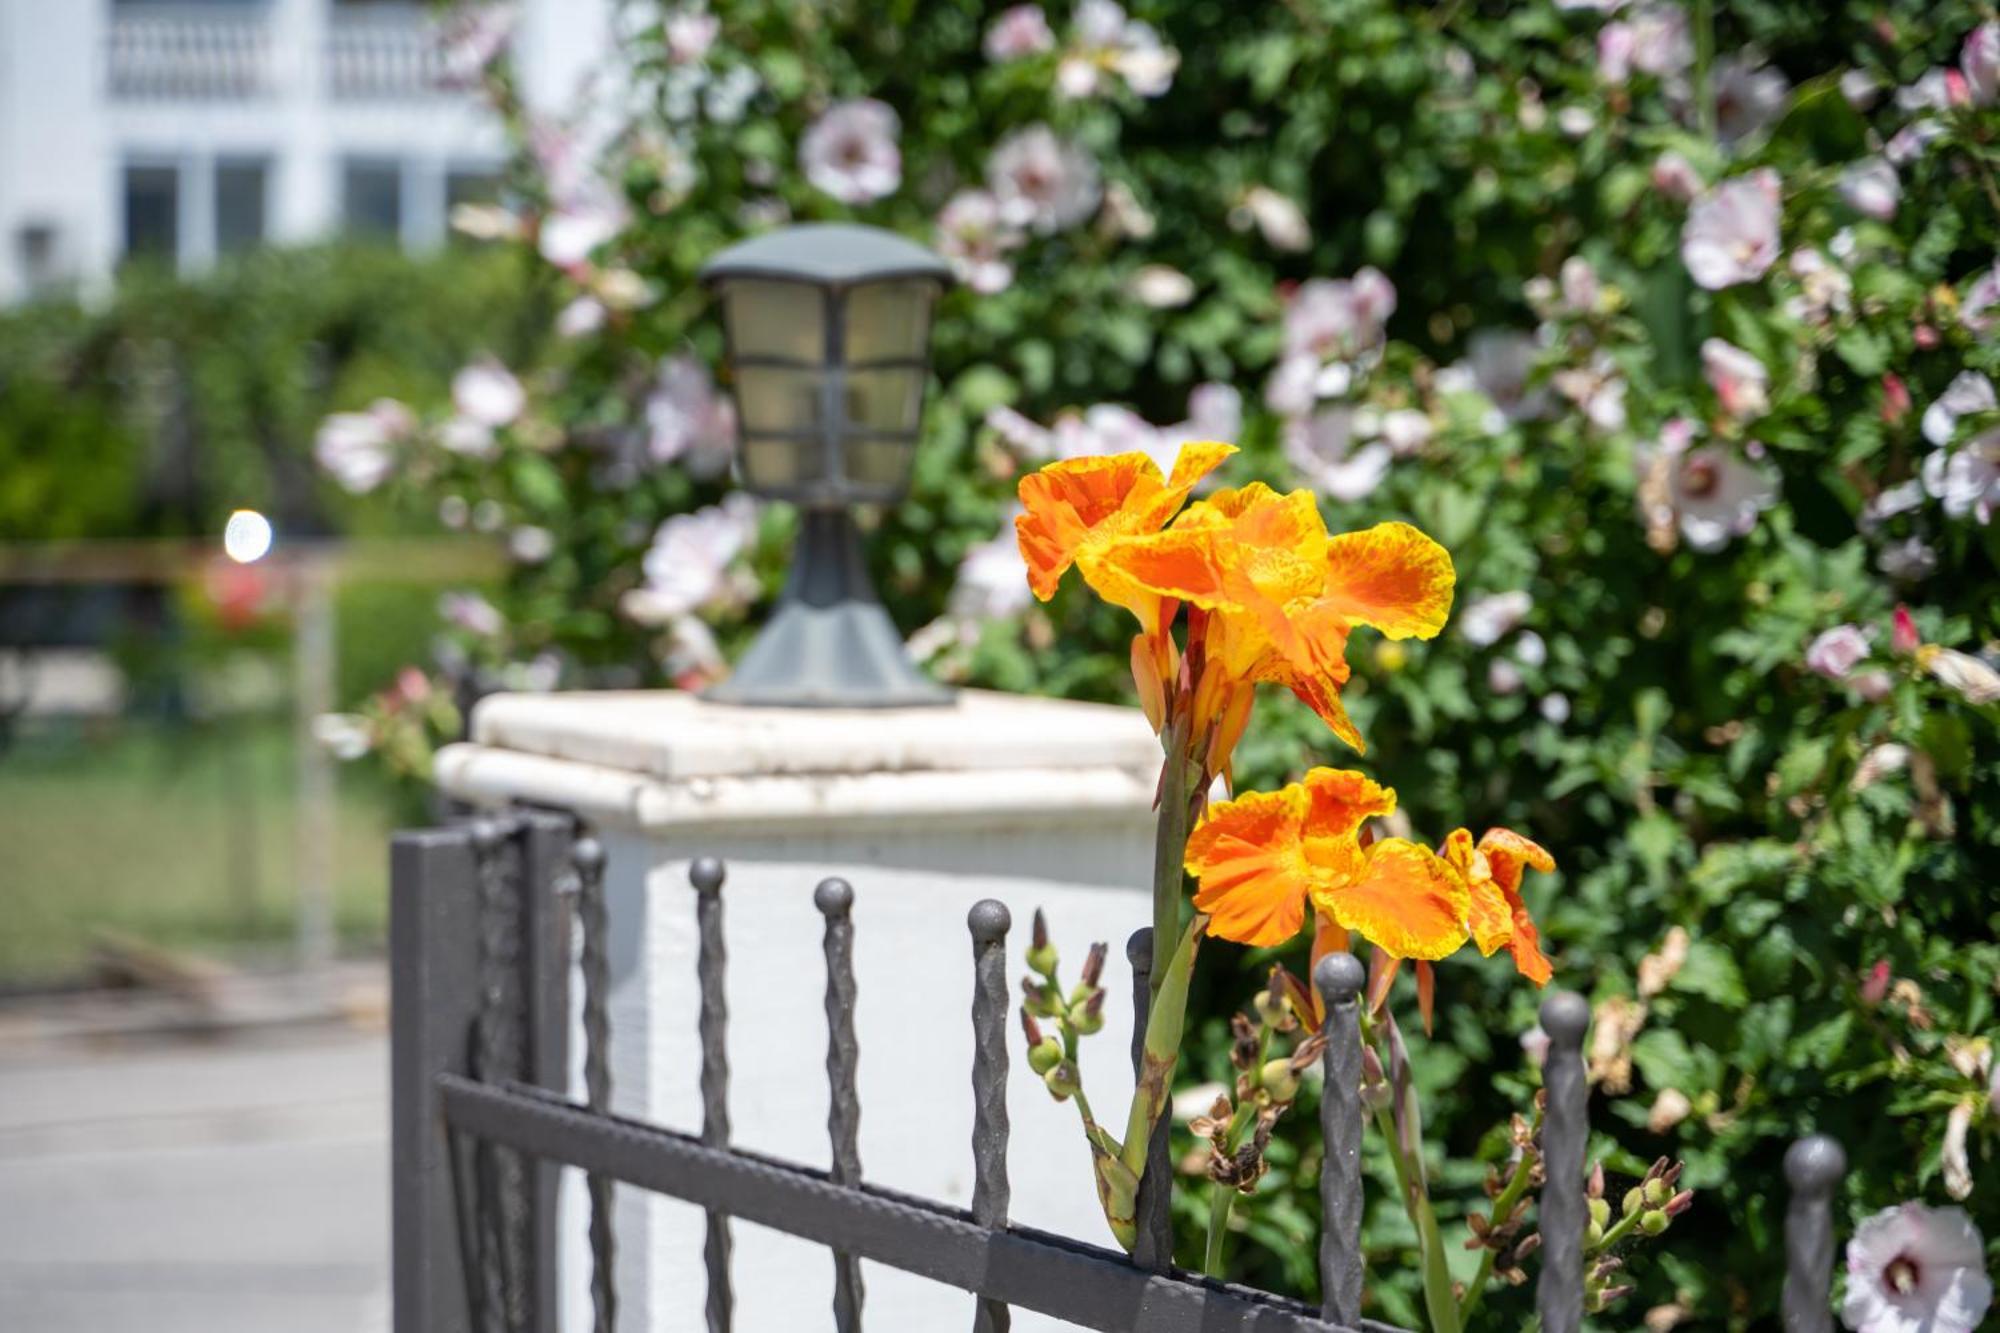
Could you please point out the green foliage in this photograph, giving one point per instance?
(158, 410)
(1743, 838)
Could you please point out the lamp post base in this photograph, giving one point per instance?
(831, 644)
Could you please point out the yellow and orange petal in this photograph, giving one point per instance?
(1510, 855)
(1390, 577)
(1338, 802)
(1487, 915)
(1407, 899)
(1069, 505)
(1248, 859)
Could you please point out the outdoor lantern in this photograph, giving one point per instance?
(829, 340)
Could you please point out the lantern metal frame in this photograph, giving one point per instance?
(830, 642)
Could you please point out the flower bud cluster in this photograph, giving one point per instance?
(1238, 1130)
(1074, 1014)
(1645, 1213)
(1504, 1232)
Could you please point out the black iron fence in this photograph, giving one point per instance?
(481, 926)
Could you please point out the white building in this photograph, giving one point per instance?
(187, 128)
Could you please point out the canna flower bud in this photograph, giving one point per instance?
(1680, 1203)
(1271, 1005)
(1595, 1188)
(1600, 1212)
(1036, 1000)
(1635, 1199)
(1093, 965)
(1030, 1028)
(1042, 956)
(1088, 1017)
(1653, 1222)
(1062, 1080)
(1045, 1055)
(1657, 1192)
(1279, 1080)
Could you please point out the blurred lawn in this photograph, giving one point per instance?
(178, 834)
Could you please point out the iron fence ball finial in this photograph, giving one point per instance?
(1566, 1017)
(706, 874)
(989, 921)
(587, 855)
(1815, 1164)
(1139, 949)
(1339, 976)
(834, 897)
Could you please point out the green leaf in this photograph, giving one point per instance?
(1864, 350)
(1711, 972)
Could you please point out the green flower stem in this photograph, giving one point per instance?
(1163, 1046)
(1224, 1196)
(1220, 1202)
(1617, 1233)
(1177, 777)
(1503, 1208)
(1440, 1302)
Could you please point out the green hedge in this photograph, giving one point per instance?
(159, 409)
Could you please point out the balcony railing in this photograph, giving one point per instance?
(198, 52)
(388, 52)
(193, 53)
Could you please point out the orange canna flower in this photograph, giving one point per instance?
(1261, 857)
(1281, 595)
(1072, 510)
(1492, 870)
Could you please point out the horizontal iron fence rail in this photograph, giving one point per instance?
(1020, 1267)
(482, 924)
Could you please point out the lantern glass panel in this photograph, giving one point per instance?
(786, 320)
(776, 465)
(773, 398)
(889, 321)
(884, 400)
(880, 465)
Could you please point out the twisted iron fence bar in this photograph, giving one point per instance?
(989, 922)
(1018, 1266)
(587, 859)
(1565, 1126)
(706, 875)
(1153, 1241)
(835, 900)
(501, 1177)
(1339, 977)
(1813, 1168)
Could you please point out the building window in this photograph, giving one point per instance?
(241, 195)
(152, 212)
(372, 198)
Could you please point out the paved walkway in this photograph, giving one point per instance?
(238, 1185)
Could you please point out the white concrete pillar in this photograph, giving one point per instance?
(925, 811)
(305, 201)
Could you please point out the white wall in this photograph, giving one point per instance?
(52, 149)
(64, 141)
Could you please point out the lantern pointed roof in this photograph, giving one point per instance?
(832, 253)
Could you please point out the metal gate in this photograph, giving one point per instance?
(481, 930)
